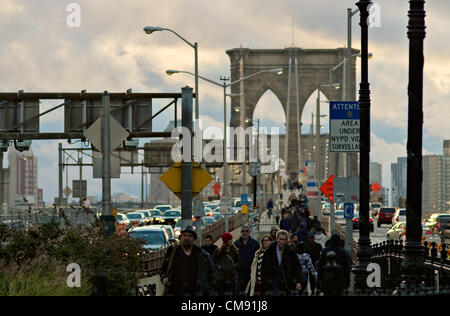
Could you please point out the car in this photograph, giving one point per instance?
(163, 208)
(339, 217)
(356, 222)
(385, 215)
(136, 219)
(177, 227)
(170, 232)
(442, 223)
(214, 206)
(399, 216)
(122, 219)
(156, 215)
(170, 217)
(209, 220)
(148, 216)
(326, 207)
(202, 223)
(398, 232)
(17, 225)
(216, 215)
(155, 237)
(375, 208)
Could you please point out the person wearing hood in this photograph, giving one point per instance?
(342, 259)
(226, 261)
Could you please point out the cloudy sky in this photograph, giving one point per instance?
(109, 51)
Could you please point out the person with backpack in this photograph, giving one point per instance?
(307, 266)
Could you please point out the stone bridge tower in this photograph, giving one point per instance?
(312, 67)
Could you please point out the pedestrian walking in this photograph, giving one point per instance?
(209, 246)
(285, 222)
(273, 233)
(187, 270)
(294, 240)
(247, 247)
(254, 227)
(254, 287)
(308, 270)
(342, 259)
(270, 206)
(281, 269)
(313, 249)
(277, 213)
(226, 261)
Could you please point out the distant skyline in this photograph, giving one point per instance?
(110, 51)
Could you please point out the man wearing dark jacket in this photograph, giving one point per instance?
(187, 270)
(209, 246)
(281, 269)
(247, 247)
(342, 258)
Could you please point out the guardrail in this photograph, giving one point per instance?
(152, 260)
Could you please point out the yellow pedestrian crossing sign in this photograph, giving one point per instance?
(172, 179)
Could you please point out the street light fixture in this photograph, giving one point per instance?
(150, 29)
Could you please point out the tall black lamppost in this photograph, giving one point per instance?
(413, 265)
(364, 254)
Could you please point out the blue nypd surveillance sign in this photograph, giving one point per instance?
(344, 126)
(349, 210)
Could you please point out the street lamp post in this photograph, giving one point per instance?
(316, 211)
(364, 252)
(224, 85)
(413, 266)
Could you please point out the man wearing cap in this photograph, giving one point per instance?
(187, 270)
(226, 261)
(247, 247)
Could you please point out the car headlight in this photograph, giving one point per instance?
(162, 220)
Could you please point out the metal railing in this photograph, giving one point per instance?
(389, 255)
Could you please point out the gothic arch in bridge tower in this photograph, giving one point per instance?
(312, 66)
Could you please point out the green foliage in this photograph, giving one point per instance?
(34, 262)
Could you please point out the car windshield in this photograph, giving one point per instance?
(402, 212)
(146, 213)
(134, 216)
(339, 213)
(163, 208)
(155, 213)
(172, 213)
(389, 210)
(150, 237)
(120, 217)
(376, 205)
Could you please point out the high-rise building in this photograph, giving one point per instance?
(436, 184)
(23, 178)
(447, 147)
(398, 181)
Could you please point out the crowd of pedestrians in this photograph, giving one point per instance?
(284, 262)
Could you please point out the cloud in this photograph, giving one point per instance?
(111, 52)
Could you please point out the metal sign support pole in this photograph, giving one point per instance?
(186, 166)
